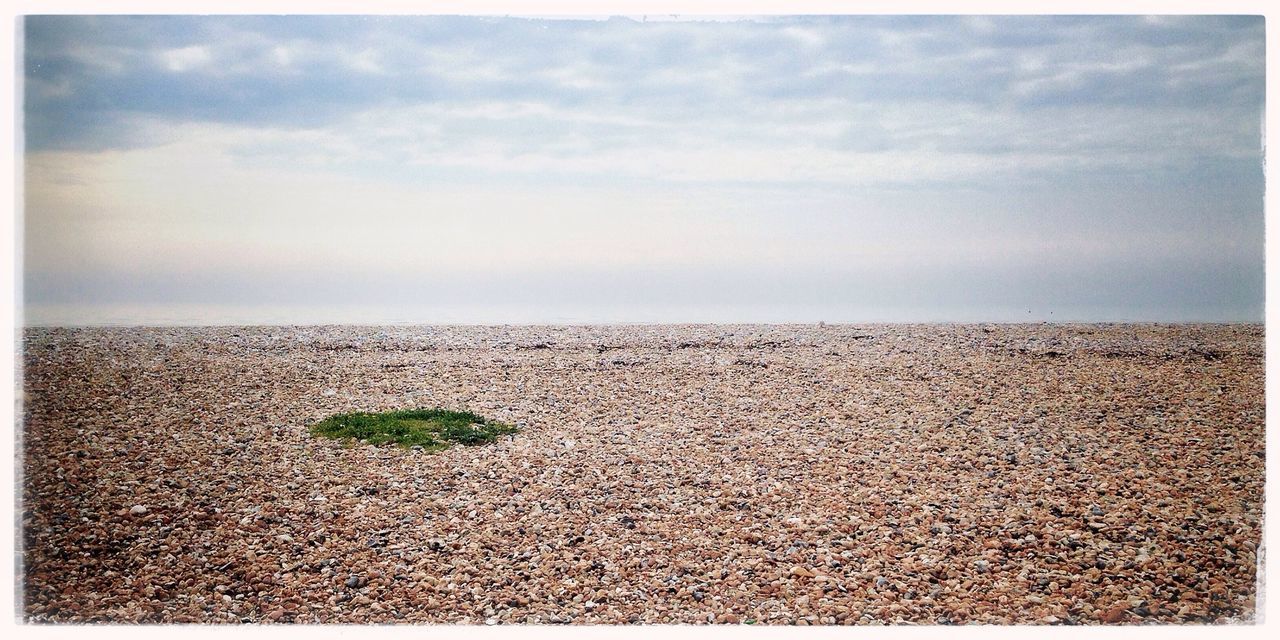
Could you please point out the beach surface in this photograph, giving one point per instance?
(784, 474)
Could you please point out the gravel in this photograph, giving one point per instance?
(882, 474)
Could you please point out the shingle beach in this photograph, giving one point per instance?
(797, 474)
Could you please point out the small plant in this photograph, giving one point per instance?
(431, 429)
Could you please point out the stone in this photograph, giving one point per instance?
(1115, 614)
(936, 447)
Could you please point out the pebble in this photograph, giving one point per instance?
(1115, 614)
(877, 474)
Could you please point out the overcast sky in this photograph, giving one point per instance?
(320, 169)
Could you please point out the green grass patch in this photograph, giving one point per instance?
(431, 429)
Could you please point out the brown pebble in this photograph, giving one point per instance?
(1116, 613)
(873, 474)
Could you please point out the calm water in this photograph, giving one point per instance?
(198, 315)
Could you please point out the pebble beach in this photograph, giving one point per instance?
(675, 474)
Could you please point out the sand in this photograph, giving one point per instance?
(880, 474)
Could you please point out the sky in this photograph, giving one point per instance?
(313, 169)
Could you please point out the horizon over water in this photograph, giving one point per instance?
(176, 315)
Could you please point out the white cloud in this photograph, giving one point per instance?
(200, 201)
(186, 58)
(365, 61)
(808, 38)
(282, 54)
(107, 59)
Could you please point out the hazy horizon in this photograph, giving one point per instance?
(442, 170)
(260, 315)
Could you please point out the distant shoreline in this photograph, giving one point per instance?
(1064, 323)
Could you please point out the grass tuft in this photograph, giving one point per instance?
(431, 429)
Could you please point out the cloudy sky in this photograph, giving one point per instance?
(321, 169)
